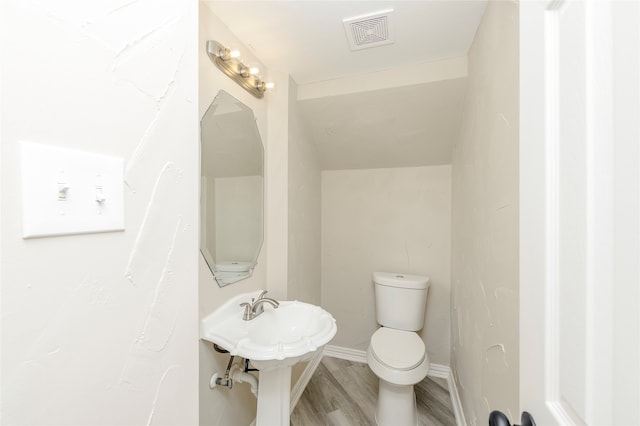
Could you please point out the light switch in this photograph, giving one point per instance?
(66, 191)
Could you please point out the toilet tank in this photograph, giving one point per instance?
(401, 300)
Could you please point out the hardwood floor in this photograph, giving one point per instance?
(344, 393)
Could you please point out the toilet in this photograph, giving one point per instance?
(231, 271)
(396, 353)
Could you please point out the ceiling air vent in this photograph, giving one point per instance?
(370, 30)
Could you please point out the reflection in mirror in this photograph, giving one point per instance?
(231, 189)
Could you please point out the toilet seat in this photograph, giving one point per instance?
(379, 359)
(397, 349)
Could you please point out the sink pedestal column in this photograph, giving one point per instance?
(274, 389)
(274, 393)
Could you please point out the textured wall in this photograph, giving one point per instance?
(485, 298)
(102, 328)
(387, 220)
(304, 208)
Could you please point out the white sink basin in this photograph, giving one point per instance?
(287, 333)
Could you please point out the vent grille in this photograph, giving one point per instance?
(371, 30)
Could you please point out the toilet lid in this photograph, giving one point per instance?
(399, 349)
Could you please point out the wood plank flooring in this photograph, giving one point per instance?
(344, 393)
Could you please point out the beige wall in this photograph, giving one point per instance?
(288, 264)
(485, 356)
(103, 328)
(389, 220)
(223, 406)
(276, 197)
(304, 209)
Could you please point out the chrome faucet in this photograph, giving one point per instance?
(255, 308)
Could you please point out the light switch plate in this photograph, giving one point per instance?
(65, 191)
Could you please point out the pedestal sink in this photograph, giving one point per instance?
(274, 341)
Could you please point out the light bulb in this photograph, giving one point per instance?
(269, 85)
(254, 70)
(234, 53)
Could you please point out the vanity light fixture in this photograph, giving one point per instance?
(228, 62)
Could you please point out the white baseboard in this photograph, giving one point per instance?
(439, 370)
(435, 370)
(346, 353)
(303, 380)
(455, 400)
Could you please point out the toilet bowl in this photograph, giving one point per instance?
(396, 353)
(398, 356)
(231, 271)
(399, 359)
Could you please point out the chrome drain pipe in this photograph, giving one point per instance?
(225, 381)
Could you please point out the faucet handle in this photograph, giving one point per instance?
(262, 294)
(248, 313)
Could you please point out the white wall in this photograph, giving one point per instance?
(485, 298)
(103, 328)
(625, 370)
(387, 220)
(304, 208)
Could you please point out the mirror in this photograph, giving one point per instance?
(231, 189)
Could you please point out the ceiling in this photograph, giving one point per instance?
(386, 124)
